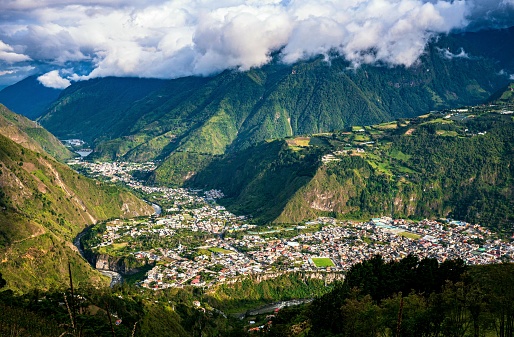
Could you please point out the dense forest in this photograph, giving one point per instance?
(410, 297)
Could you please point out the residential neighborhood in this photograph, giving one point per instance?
(195, 241)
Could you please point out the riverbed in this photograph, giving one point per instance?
(269, 308)
(115, 277)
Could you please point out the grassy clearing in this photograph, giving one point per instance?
(220, 250)
(386, 126)
(446, 133)
(322, 262)
(361, 138)
(399, 155)
(112, 249)
(302, 141)
(438, 121)
(299, 142)
(404, 169)
(409, 235)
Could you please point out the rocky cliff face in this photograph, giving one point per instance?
(122, 265)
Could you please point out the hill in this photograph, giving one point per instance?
(410, 297)
(143, 119)
(31, 135)
(455, 164)
(43, 206)
(28, 97)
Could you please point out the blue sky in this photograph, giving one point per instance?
(75, 40)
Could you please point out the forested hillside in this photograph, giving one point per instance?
(143, 119)
(410, 297)
(44, 205)
(442, 164)
(30, 135)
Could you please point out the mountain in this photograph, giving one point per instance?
(456, 164)
(43, 206)
(28, 97)
(143, 119)
(31, 135)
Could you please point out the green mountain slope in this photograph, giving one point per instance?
(30, 135)
(43, 206)
(450, 164)
(260, 180)
(141, 119)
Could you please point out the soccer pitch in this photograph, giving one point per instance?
(321, 262)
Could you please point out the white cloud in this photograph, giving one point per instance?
(166, 39)
(449, 55)
(52, 79)
(6, 72)
(8, 54)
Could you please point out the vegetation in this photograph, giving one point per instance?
(29, 134)
(410, 297)
(44, 205)
(260, 180)
(417, 169)
(123, 311)
(250, 292)
(144, 119)
(322, 262)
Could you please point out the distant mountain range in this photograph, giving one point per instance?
(28, 97)
(199, 129)
(142, 119)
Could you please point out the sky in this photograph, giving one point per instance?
(70, 40)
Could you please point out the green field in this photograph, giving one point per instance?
(409, 235)
(322, 262)
(113, 248)
(220, 250)
(386, 126)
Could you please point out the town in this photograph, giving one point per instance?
(194, 241)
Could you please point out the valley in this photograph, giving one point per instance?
(284, 219)
(257, 168)
(197, 242)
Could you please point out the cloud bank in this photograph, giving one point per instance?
(169, 39)
(52, 79)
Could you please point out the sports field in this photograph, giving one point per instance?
(321, 262)
(220, 250)
(410, 235)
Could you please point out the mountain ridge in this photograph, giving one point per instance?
(443, 164)
(142, 119)
(31, 135)
(43, 206)
(28, 97)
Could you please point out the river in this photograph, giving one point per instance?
(115, 277)
(268, 308)
(157, 209)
